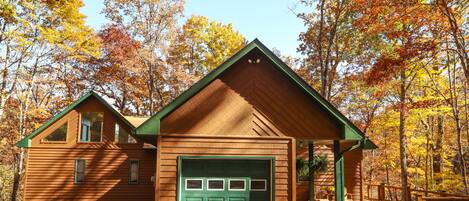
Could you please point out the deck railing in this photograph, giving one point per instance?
(384, 192)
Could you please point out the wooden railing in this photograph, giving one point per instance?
(384, 192)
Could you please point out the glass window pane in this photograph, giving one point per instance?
(122, 136)
(131, 140)
(85, 131)
(258, 185)
(237, 185)
(194, 184)
(216, 184)
(91, 126)
(116, 133)
(59, 135)
(80, 166)
(80, 171)
(134, 170)
(80, 177)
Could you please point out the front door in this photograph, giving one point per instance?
(225, 180)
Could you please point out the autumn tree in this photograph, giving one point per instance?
(448, 81)
(118, 73)
(152, 24)
(405, 28)
(455, 12)
(329, 43)
(201, 45)
(40, 40)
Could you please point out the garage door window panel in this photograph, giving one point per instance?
(194, 184)
(215, 184)
(258, 185)
(237, 185)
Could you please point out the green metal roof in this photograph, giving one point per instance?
(26, 142)
(351, 132)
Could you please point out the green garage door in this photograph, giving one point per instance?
(225, 180)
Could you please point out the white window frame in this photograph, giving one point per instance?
(215, 179)
(229, 186)
(193, 189)
(265, 184)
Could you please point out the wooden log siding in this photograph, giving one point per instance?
(50, 166)
(171, 146)
(252, 99)
(352, 172)
(50, 174)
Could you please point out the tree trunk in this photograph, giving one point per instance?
(402, 137)
(457, 121)
(17, 175)
(427, 150)
(462, 160)
(322, 63)
(466, 109)
(437, 158)
(457, 34)
(151, 87)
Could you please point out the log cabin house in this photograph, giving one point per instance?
(233, 136)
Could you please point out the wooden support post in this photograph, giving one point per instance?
(311, 173)
(338, 172)
(381, 192)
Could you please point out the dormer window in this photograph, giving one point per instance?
(91, 126)
(59, 135)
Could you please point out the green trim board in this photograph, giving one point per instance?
(311, 173)
(350, 132)
(26, 142)
(339, 172)
(180, 182)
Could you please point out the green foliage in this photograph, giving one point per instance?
(318, 166)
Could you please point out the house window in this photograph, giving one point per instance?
(194, 184)
(215, 184)
(237, 185)
(258, 185)
(122, 136)
(134, 166)
(59, 135)
(91, 126)
(80, 166)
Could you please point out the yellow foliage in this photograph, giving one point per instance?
(202, 45)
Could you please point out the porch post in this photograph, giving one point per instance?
(311, 173)
(338, 172)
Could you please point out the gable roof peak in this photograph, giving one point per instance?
(152, 125)
(26, 141)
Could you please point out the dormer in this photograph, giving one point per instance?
(88, 122)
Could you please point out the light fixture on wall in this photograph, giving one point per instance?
(254, 60)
